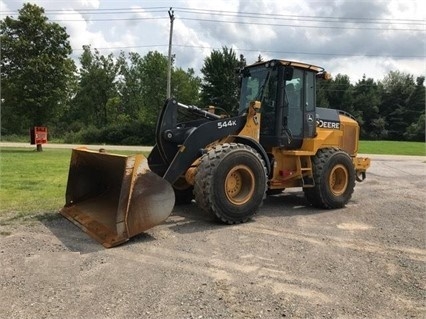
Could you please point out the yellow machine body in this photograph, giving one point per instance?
(292, 166)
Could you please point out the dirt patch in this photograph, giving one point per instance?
(354, 226)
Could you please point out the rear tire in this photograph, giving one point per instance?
(334, 176)
(231, 182)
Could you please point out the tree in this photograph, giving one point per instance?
(366, 102)
(415, 113)
(398, 89)
(339, 94)
(416, 131)
(322, 89)
(153, 71)
(119, 100)
(142, 83)
(97, 93)
(131, 85)
(35, 70)
(220, 83)
(142, 88)
(186, 86)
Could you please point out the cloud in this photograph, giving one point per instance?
(347, 37)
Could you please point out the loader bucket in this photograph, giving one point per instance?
(114, 197)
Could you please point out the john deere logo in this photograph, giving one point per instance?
(328, 124)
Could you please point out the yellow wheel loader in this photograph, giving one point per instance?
(228, 164)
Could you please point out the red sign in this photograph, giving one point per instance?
(39, 135)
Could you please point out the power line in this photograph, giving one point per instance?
(127, 47)
(245, 23)
(232, 13)
(303, 26)
(239, 14)
(257, 23)
(99, 11)
(109, 19)
(260, 50)
(302, 17)
(116, 10)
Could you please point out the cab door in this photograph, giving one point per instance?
(293, 120)
(309, 125)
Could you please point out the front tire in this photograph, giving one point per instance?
(334, 176)
(231, 182)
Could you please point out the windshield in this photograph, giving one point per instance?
(252, 86)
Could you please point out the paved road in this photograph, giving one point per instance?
(148, 148)
(71, 146)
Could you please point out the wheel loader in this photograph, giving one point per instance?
(228, 164)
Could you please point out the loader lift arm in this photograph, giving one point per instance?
(178, 145)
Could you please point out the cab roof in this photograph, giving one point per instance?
(295, 64)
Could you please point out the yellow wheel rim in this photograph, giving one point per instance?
(239, 185)
(338, 181)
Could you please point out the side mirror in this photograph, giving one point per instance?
(288, 73)
(324, 76)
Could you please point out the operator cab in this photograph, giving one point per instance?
(286, 91)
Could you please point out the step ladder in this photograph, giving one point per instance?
(304, 166)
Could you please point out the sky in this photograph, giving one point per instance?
(350, 37)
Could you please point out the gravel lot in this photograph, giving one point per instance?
(292, 261)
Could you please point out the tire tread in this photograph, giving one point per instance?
(203, 188)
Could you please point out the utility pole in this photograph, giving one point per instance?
(169, 69)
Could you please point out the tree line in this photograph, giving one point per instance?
(116, 98)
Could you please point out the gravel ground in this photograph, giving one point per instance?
(364, 261)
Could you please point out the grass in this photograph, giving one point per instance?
(392, 148)
(34, 183)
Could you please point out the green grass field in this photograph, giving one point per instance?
(34, 183)
(392, 148)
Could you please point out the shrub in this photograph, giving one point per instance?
(132, 133)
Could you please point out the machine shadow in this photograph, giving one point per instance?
(185, 219)
(76, 240)
(189, 218)
(288, 204)
(72, 237)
